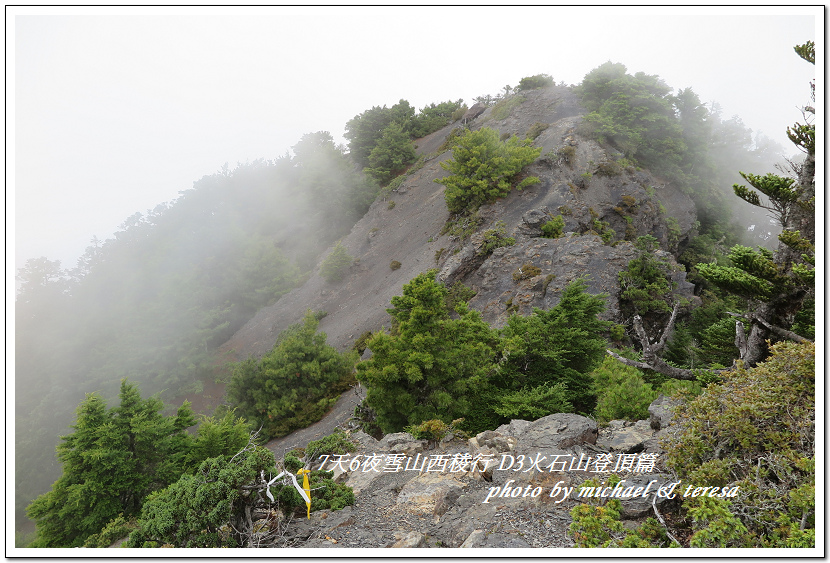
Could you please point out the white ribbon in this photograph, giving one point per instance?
(296, 486)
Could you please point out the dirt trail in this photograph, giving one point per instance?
(342, 411)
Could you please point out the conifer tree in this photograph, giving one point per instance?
(779, 283)
(112, 460)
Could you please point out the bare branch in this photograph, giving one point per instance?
(740, 339)
(651, 360)
(667, 332)
(782, 332)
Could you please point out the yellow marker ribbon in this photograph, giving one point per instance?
(307, 488)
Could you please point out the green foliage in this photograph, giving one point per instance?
(394, 265)
(779, 191)
(436, 430)
(621, 392)
(205, 509)
(560, 345)
(218, 436)
(715, 525)
(430, 365)
(554, 227)
(536, 129)
(365, 130)
(462, 226)
(483, 169)
(392, 153)
(644, 284)
(596, 526)
(535, 81)
(567, 154)
(336, 443)
(293, 385)
(435, 116)
(525, 272)
(336, 264)
(458, 293)
(495, 238)
(609, 168)
(533, 403)
(112, 460)
(635, 114)
(116, 529)
(504, 107)
(753, 431)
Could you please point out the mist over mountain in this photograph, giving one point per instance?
(622, 169)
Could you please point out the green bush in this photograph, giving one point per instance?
(431, 364)
(458, 293)
(436, 430)
(435, 116)
(531, 403)
(295, 384)
(495, 238)
(621, 392)
(560, 345)
(483, 169)
(336, 443)
(336, 264)
(390, 156)
(536, 129)
(567, 154)
(609, 169)
(195, 510)
(117, 528)
(644, 284)
(553, 228)
(525, 272)
(535, 81)
(755, 431)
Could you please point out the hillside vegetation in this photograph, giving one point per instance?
(550, 274)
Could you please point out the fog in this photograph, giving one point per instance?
(115, 110)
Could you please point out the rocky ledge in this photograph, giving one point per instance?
(512, 487)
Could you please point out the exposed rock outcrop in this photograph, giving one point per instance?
(604, 207)
(436, 504)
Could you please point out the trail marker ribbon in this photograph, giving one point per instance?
(305, 490)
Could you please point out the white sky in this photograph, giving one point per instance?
(111, 111)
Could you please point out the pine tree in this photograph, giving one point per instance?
(778, 284)
(111, 462)
(430, 365)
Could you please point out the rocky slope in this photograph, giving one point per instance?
(435, 505)
(583, 185)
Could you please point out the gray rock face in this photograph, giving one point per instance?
(401, 442)
(409, 539)
(625, 437)
(477, 109)
(430, 508)
(558, 432)
(661, 412)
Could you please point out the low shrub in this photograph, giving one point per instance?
(495, 238)
(535, 81)
(336, 264)
(526, 271)
(394, 265)
(536, 129)
(554, 227)
(436, 430)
